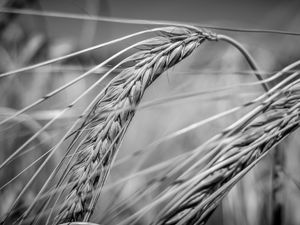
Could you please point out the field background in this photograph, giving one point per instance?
(28, 39)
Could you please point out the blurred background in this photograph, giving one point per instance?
(28, 39)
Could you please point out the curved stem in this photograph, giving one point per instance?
(247, 56)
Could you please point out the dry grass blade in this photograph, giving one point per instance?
(105, 121)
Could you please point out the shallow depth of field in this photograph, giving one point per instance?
(27, 39)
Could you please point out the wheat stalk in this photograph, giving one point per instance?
(107, 121)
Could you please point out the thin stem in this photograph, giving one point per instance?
(247, 56)
(65, 15)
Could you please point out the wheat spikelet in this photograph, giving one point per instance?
(112, 113)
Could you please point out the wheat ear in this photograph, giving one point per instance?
(107, 121)
(196, 193)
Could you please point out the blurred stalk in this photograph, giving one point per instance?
(89, 28)
(7, 18)
(277, 206)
